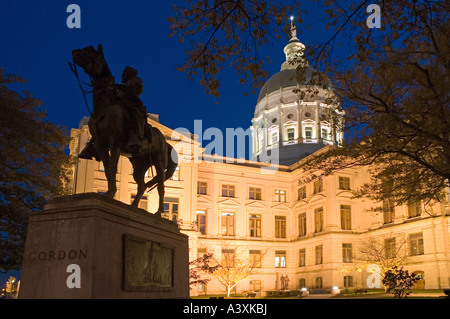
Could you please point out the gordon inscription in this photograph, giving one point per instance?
(74, 254)
(148, 265)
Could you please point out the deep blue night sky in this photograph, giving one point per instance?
(36, 44)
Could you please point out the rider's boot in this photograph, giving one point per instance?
(89, 152)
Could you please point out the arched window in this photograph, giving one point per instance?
(302, 283)
(309, 131)
(274, 135)
(319, 282)
(290, 132)
(260, 140)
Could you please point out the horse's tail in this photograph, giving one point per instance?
(172, 161)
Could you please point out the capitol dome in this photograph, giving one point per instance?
(284, 79)
(291, 119)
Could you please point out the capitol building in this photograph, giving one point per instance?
(297, 235)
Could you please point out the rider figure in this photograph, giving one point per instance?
(129, 92)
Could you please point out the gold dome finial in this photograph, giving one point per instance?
(293, 28)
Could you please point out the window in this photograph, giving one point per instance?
(142, 203)
(319, 282)
(260, 141)
(274, 137)
(318, 220)
(319, 255)
(201, 252)
(228, 224)
(389, 248)
(255, 258)
(228, 258)
(346, 217)
(302, 283)
(414, 209)
(171, 209)
(202, 188)
(416, 244)
(325, 133)
(347, 253)
(176, 174)
(280, 196)
(201, 221)
(301, 193)
(344, 183)
(302, 258)
(254, 193)
(291, 134)
(255, 225)
(308, 133)
(348, 281)
(302, 225)
(280, 226)
(318, 186)
(254, 285)
(388, 211)
(280, 259)
(201, 287)
(228, 190)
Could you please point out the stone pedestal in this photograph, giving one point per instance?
(90, 247)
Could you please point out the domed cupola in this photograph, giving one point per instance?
(289, 121)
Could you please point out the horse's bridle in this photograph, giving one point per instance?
(74, 68)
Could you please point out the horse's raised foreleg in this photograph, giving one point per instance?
(111, 171)
(106, 160)
(139, 174)
(161, 178)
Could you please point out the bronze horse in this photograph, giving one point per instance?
(109, 125)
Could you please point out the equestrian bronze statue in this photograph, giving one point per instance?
(118, 125)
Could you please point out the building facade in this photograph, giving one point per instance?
(297, 235)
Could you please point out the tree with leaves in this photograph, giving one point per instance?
(379, 254)
(234, 265)
(387, 251)
(200, 267)
(399, 282)
(33, 166)
(393, 82)
(395, 92)
(229, 32)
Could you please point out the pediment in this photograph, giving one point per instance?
(228, 201)
(274, 127)
(300, 203)
(292, 123)
(281, 206)
(346, 193)
(317, 197)
(255, 204)
(203, 199)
